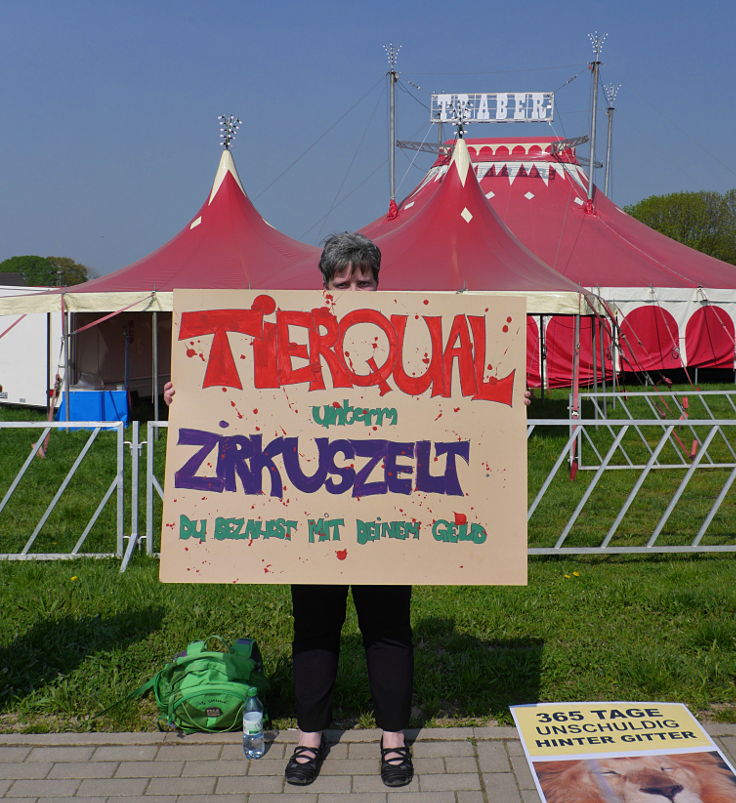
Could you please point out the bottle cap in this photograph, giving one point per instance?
(252, 691)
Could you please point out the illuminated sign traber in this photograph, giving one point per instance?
(493, 107)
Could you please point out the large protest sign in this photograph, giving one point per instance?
(346, 437)
(622, 751)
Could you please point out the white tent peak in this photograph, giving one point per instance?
(227, 165)
(461, 160)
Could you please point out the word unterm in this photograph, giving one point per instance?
(273, 351)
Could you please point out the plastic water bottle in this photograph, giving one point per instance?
(253, 741)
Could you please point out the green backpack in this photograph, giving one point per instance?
(202, 690)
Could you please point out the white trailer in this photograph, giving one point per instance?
(29, 353)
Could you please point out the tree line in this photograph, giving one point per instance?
(703, 220)
(46, 271)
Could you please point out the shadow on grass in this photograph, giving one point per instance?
(461, 676)
(280, 700)
(55, 647)
(457, 677)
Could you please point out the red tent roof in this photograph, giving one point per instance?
(226, 245)
(454, 242)
(457, 242)
(542, 196)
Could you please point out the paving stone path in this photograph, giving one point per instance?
(453, 765)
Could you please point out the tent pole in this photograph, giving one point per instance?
(154, 378)
(610, 91)
(609, 112)
(392, 134)
(575, 400)
(542, 355)
(48, 362)
(602, 346)
(126, 357)
(576, 369)
(614, 360)
(65, 335)
(392, 53)
(597, 42)
(594, 349)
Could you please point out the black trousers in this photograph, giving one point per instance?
(384, 619)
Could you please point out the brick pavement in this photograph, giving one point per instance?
(453, 765)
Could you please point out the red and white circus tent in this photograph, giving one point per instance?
(455, 242)
(227, 244)
(676, 306)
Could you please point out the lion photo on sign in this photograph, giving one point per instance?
(686, 778)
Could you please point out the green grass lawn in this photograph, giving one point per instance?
(77, 636)
(87, 488)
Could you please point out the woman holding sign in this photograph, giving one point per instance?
(352, 262)
(349, 262)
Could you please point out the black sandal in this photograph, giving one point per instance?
(302, 773)
(397, 770)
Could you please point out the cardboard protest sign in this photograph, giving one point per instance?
(343, 437)
(621, 751)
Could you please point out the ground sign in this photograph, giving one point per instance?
(622, 752)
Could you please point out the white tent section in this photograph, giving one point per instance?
(29, 353)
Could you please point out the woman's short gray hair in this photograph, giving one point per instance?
(347, 248)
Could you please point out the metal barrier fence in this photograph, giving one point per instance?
(631, 492)
(154, 486)
(630, 496)
(677, 406)
(660, 403)
(32, 510)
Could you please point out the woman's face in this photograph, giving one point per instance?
(350, 278)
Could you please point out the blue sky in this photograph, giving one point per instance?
(109, 136)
